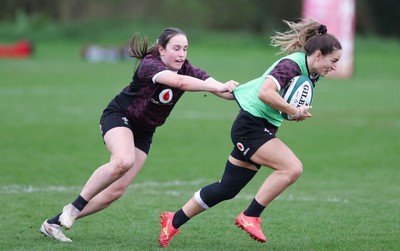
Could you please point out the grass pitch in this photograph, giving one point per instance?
(346, 199)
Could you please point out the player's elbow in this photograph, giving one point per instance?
(263, 95)
(181, 82)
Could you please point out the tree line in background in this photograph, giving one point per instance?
(374, 17)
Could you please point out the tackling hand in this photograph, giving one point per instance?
(230, 86)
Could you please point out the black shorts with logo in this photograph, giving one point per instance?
(248, 134)
(113, 117)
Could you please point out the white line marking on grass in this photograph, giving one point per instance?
(168, 188)
(177, 183)
(9, 189)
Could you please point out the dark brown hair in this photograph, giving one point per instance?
(305, 36)
(139, 46)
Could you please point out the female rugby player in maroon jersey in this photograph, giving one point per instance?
(129, 121)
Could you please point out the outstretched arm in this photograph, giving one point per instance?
(188, 83)
(228, 94)
(224, 95)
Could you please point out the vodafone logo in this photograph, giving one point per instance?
(240, 146)
(165, 96)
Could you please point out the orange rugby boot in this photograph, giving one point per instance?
(252, 225)
(167, 230)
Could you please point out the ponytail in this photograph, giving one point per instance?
(138, 46)
(305, 36)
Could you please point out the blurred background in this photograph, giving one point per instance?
(62, 61)
(374, 17)
(98, 24)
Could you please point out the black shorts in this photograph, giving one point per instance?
(113, 117)
(248, 134)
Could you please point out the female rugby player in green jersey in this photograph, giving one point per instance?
(313, 53)
(131, 118)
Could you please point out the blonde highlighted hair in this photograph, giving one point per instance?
(305, 36)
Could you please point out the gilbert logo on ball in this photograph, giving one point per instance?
(299, 93)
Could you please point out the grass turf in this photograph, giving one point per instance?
(346, 199)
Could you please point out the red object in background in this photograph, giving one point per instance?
(339, 16)
(21, 49)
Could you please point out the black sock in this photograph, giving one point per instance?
(179, 219)
(79, 203)
(54, 220)
(254, 210)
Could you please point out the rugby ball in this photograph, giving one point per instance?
(300, 91)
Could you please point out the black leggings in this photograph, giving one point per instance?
(232, 182)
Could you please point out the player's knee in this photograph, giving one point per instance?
(295, 171)
(232, 182)
(226, 191)
(122, 165)
(231, 193)
(215, 193)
